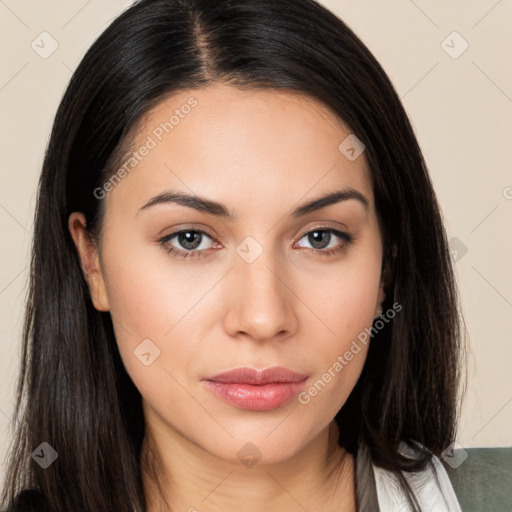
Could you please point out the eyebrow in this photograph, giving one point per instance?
(202, 204)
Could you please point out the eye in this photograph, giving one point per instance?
(191, 241)
(322, 235)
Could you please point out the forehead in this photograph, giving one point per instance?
(239, 146)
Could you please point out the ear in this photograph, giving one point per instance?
(380, 297)
(89, 260)
(385, 280)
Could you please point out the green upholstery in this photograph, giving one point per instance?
(483, 482)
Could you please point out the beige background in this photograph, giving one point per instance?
(461, 109)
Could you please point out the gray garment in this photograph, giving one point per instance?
(379, 490)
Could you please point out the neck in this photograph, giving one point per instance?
(188, 478)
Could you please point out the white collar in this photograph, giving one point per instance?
(431, 486)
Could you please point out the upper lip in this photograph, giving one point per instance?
(248, 375)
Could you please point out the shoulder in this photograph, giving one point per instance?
(431, 486)
(481, 477)
(29, 500)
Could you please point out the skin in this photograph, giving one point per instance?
(260, 153)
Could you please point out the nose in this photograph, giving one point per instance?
(260, 302)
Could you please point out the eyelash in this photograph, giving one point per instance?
(348, 239)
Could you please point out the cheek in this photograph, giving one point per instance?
(157, 308)
(147, 290)
(345, 298)
(345, 303)
(141, 301)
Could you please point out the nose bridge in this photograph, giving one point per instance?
(261, 306)
(259, 269)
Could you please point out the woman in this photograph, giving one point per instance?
(241, 292)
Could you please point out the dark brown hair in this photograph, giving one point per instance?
(74, 392)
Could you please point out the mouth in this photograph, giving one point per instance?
(251, 389)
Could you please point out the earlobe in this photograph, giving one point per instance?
(380, 300)
(385, 281)
(89, 260)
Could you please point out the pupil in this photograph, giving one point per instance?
(188, 243)
(319, 234)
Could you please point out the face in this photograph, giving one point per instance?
(194, 293)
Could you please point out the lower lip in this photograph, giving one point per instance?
(255, 398)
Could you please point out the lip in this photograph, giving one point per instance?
(247, 375)
(257, 390)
